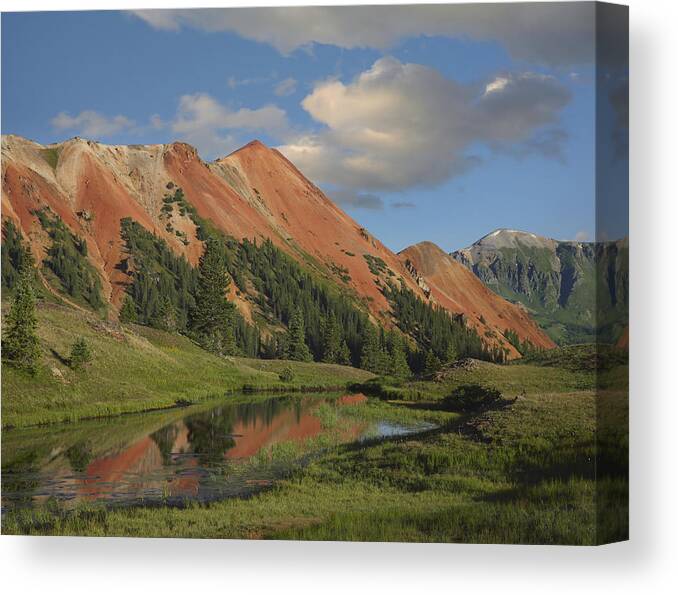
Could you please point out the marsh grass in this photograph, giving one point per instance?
(526, 473)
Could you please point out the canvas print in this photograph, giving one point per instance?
(348, 273)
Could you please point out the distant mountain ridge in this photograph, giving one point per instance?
(570, 287)
(455, 288)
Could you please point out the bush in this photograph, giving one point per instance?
(80, 354)
(474, 397)
(286, 374)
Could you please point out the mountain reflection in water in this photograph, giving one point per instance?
(199, 453)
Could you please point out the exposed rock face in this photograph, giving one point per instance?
(417, 277)
(456, 289)
(575, 289)
(253, 193)
(309, 222)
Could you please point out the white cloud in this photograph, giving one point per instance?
(156, 122)
(286, 87)
(213, 128)
(210, 126)
(498, 84)
(582, 236)
(92, 124)
(548, 33)
(402, 125)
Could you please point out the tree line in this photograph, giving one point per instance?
(305, 317)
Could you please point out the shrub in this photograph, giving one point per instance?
(80, 354)
(286, 374)
(474, 397)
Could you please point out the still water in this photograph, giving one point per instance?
(198, 453)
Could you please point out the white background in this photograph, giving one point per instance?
(645, 564)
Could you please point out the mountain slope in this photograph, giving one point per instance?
(456, 289)
(255, 193)
(310, 222)
(570, 287)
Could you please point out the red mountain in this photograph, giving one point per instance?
(457, 289)
(253, 193)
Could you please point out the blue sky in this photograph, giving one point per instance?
(422, 128)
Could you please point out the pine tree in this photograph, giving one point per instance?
(128, 312)
(20, 345)
(370, 354)
(432, 362)
(451, 354)
(165, 316)
(331, 340)
(15, 255)
(298, 350)
(397, 361)
(344, 355)
(212, 317)
(80, 354)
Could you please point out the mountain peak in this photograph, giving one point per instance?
(511, 238)
(508, 232)
(253, 147)
(426, 247)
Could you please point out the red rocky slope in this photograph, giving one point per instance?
(253, 193)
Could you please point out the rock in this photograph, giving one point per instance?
(57, 374)
(467, 363)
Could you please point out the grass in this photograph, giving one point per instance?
(512, 380)
(137, 368)
(51, 156)
(533, 472)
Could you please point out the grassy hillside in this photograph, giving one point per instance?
(136, 368)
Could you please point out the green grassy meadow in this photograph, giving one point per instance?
(137, 368)
(533, 471)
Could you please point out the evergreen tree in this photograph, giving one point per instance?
(432, 363)
(165, 317)
(20, 345)
(128, 312)
(397, 361)
(212, 317)
(80, 354)
(451, 354)
(298, 350)
(370, 355)
(344, 355)
(15, 255)
(331, 340)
